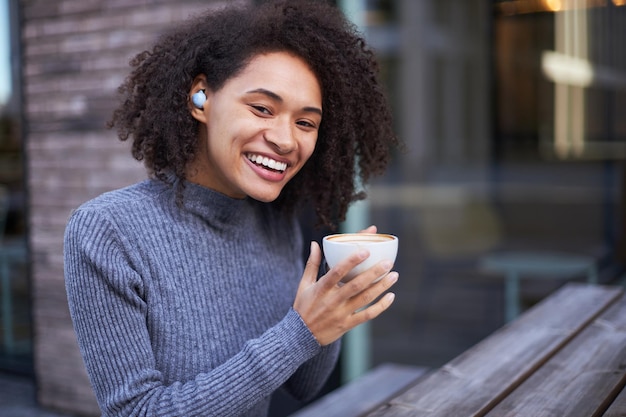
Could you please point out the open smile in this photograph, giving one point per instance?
(266, 162)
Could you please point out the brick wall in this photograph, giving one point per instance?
(75, 54)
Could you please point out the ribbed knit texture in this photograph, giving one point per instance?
(187, 311)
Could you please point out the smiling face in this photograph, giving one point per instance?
(259, 129)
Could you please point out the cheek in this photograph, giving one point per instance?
(225, 136)
(308, 148)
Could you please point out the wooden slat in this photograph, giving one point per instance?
(365, 393)
(618, 407)
(582, 379)
(474, 382)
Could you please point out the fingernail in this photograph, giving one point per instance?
(392, 277)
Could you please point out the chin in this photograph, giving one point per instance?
(264, 197)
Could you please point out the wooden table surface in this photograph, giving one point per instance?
(564, 357)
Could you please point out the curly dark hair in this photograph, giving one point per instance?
(356, 134)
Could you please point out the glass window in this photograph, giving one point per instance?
(515, 145)
(15, 322)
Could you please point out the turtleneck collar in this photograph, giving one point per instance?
(211, 205)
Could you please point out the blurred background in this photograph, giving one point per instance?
(512, 182)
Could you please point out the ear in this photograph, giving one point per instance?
(199, 84)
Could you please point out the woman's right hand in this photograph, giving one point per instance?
(329, 309)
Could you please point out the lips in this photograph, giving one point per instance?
(267, 163)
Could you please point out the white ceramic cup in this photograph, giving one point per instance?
(339, 246)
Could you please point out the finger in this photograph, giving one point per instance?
(370, 229)
(365, 279)
(336, 274)
(374, 310)
(373, 292)
(312, 266)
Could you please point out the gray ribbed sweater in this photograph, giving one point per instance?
(187, 311)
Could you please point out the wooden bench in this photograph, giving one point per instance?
(520, 265)
(566, 356)
(365, 393)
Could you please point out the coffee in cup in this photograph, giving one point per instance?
(339, 246)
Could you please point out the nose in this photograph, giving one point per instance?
(282, 137)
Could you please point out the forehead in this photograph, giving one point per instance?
(279, 71)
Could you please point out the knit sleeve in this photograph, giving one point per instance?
(108, 309)
(309, 379)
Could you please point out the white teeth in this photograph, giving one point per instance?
(267, 162)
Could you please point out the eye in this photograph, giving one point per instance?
(261, 109)
(307, 124)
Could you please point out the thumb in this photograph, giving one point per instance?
(370, 229)
(312, 266)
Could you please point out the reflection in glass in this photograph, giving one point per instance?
(511, 115)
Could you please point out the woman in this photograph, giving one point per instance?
(187, 290)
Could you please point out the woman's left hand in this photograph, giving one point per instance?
(330, 309)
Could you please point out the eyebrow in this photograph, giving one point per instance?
(278, 98)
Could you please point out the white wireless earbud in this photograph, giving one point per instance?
(198, 99)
